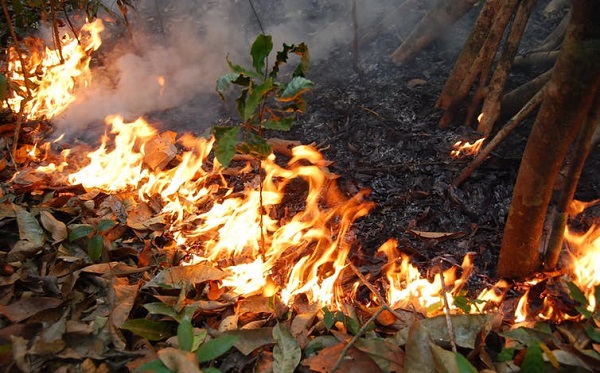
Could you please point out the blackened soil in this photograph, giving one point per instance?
(381, 132)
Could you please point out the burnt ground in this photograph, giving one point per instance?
(380, 131)
(382, 135)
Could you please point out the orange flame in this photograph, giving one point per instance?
(53, 75)
(464, 149)
(303, 252)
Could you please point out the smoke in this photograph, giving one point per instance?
(186, 43)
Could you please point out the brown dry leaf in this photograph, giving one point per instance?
(26, 307)
(122, 297)
(193, 274)
(31, 235)
(20, 351)
(179, 361)
(114, 268)
(355, 361)
(436, 235)
(214, 290)
(251, 339)
(388, 356)
(57, 228)
(416, 82)
(254, 304)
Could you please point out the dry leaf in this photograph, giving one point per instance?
(179, 361)
(57, 228)
(355, 361)
(192, 274)
(26, 307)
(437, 235)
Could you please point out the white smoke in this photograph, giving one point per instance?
(187, 42)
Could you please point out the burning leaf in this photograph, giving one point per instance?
(192, 274)
(57, 228)
(226, 140)
(286, 352)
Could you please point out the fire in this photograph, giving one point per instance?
(53, 75)
(303, 252)
(408, 289)
(464, 149)
(582, 270)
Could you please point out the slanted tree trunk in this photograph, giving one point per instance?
(569, 97)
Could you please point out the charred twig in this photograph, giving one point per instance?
(509, 126)
(514, 100)
(546, 58)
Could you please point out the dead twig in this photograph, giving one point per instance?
(449, 324)
(509, 126)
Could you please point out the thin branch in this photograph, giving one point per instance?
(55, 33)
(13, 34)
(449, 324)
(509, 126)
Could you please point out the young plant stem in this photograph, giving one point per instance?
(493, 97)
(55, 34)
(450, 97)
(431, 26)
(582, 150)
(501, 135)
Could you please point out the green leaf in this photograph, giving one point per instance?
(214, 348)
(286, 353)
(225, 81)
(506, 354)
(3, 87)
(260, 50)
(105, 225)
(211, 370)
(577, 294)
(297, 86)
(328, 318)
(185, 334)
(257, 94)
(462, 303)
(593, 333)
(533, 362)
(255, 146)
(155, 366)
(464, 365)
(352, 325)
(149, 329)
(283, 124)
(94, 247)
(159, 308)
(241, 101)
(79, 231)
(226, 140)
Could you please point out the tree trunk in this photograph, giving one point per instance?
(569, 97)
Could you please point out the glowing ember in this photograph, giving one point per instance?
(463, 149)
(53, 75)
